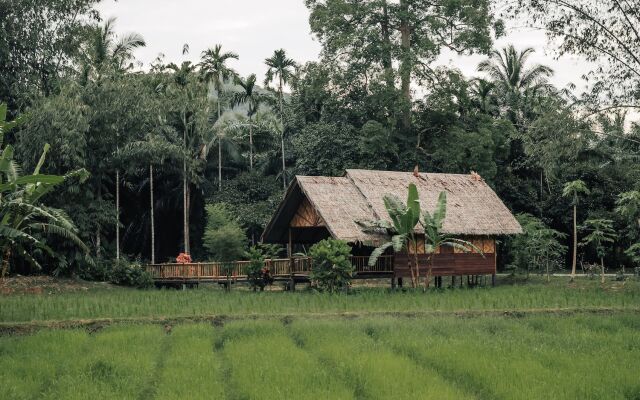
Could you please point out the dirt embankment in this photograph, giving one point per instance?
(47, 285)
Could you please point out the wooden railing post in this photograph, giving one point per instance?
(292, 284)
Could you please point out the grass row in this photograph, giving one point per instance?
(580, 356)
(124, 303)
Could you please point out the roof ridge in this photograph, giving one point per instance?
(366, 199)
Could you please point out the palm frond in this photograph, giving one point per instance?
(377, 252)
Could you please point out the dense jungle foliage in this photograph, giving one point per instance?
(168, 143)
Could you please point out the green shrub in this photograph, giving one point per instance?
(258, 274)
(539, 248)
(224, 239)
(130, 274)
(332, 268)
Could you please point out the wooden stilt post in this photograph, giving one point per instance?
(292, 283)
(493, 280)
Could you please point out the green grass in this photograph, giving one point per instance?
(303, 350)
(532, 357)
(129, 303)
(190, 366)
(115, 363)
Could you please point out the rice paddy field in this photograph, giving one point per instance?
(212, 301)
(532, 341)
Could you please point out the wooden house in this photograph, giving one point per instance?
(318, 207)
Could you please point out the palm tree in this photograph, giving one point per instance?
(185, 98)
(573, 190)
(282, 69)
(153, 151)
(106, 53)
(24, 221)
(214, 70)
(601, 232)
(507, 69)
(252, 98)
(483, 94)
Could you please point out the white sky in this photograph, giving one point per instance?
(255, 28)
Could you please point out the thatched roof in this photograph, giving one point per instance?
(473, 208)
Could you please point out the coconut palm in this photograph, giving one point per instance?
(508, 69)
(281, 69)
(214, 70)
(252, 99)
(574, 190)
(106, 53)
(483, 95)
(25, 222)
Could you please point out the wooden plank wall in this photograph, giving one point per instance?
(448, 264)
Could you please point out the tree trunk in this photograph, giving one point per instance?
(98, 239)
(429, 271)
(153, 229)
(406, 65)
(413, 264)
(575, 242)
(117, 214)
(185, 202)
(188, 240)
(387, 63)
(219, 151)
(250, 145)
(602, 270)
(284, 168)
(417, 263)
(6, 257)
(548, 275)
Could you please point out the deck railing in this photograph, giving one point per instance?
(277, 267)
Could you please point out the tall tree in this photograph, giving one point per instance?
(574, 190)
(606, 33)
(189, 101)
(214, 68)
(375, 35)
(282, 69)
(25, 221)
(106, 53)
(516, 80)
(39, 41)
(252, 98)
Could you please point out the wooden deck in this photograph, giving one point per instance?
(297, 268)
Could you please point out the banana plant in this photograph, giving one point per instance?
(401, 229)
(435, 239)
(25, 222)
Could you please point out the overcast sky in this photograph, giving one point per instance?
(255, 28)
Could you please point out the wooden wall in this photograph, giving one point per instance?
(306, 216)
(448, 261)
